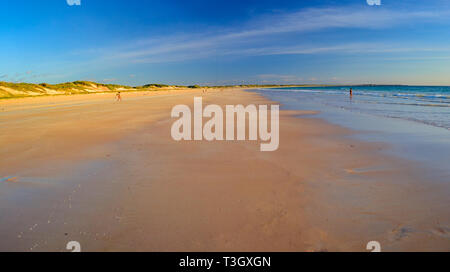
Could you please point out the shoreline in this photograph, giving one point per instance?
(86, 88)
(88, 158)
(411, 133)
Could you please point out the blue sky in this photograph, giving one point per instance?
(226, 42)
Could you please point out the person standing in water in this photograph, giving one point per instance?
(118, 97)
(351, 93)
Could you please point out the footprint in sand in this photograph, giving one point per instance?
(400, 233)
(442, 231)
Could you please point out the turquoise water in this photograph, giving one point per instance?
(424, 104)
(414, 120)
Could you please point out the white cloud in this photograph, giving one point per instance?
(260, 37)
(73, 2)
(270, 78)
(108, 80)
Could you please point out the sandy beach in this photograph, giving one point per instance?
(109, 175)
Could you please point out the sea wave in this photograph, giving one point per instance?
(427, 105)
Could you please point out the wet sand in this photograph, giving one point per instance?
(108, 175)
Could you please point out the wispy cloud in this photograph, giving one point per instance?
(285, 79)
(247, 39)
(26, 76)
(73, 2)
(109, 80)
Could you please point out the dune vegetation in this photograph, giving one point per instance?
(18, 90)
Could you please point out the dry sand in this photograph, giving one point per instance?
(84, 168)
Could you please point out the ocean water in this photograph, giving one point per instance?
(425, 104)
(414, 120)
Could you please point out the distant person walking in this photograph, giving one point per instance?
(351, 93)
(118, 97)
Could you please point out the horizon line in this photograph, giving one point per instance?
(229, 85)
